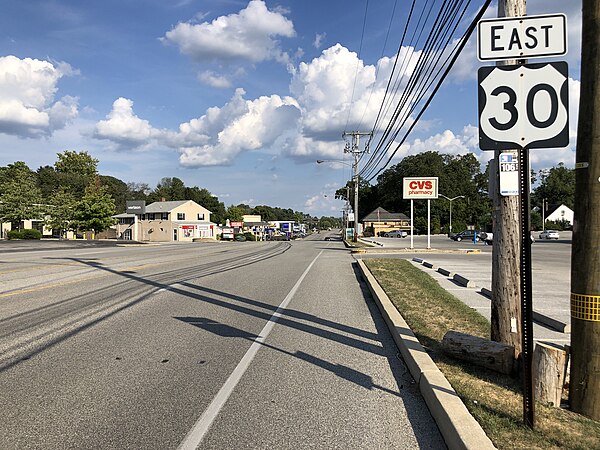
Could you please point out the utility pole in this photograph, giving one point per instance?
(353, 148)
(506, 299)
(584, 390)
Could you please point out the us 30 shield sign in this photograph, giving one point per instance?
(523, 106)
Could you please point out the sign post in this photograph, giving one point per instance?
(420, 188)
(523, 106)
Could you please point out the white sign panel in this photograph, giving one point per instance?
(523, 106)
(420, 187)
(522, 37)
(509, 173)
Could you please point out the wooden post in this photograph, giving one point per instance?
(584, 392)
(549, 363)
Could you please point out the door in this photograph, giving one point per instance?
(175, 234)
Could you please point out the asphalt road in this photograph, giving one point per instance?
(216, 345)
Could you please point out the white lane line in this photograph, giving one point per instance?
(200, 428)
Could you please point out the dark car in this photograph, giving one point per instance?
(469, 235)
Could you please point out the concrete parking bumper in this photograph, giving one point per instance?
(459, 429)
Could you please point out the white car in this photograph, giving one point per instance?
(396, 234)
(549, 234)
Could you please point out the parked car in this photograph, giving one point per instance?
(489, 238)
(396, 234)
(549, 234)
(469, 235)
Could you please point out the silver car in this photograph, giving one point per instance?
(549, 234)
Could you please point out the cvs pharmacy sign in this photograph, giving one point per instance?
(420, 187)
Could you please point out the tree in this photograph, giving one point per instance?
(60, 212)
(76, 171)
(170, 189)
(76, 162)
(20, 197)
(557, 186)
(117, 189)
(235, 214)
(95, 210)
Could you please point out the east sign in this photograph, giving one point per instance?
(522, 37)
(420, 188)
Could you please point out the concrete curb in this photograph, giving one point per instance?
(459, 429)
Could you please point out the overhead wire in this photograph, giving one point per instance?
(416, 87)
(387, 35)
(362, 35)
(427, 70)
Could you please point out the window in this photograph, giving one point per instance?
(151, 216)
(200, 216)
(164, 216)
(180, 216)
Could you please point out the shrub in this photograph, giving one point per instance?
(249, 236)
(14, 234)
(24, 234)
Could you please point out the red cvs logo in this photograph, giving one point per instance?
(420, 184)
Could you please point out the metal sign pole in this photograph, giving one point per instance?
(428, 223)
(412, 226)
(526, 291)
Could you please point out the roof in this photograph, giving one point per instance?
(382, 215)
(124, 216)
(159, 207)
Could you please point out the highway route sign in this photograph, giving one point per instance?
(523, 106)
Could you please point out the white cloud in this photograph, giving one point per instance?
(337, 91)
(249, 35)
(124, 128)
(241, 125)
(27, 90)
(319, 38)
(215, 80)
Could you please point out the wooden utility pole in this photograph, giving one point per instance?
(584, 390)
(353, 148)
(506, 299)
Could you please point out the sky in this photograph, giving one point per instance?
(238, 97)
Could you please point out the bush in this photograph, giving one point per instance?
(249, 236)
(24, 234)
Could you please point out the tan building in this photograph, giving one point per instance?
(382, 221)
(183, 220)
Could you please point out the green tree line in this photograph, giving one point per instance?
(72, 195)
(459, 175)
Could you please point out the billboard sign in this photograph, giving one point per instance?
(420, 188)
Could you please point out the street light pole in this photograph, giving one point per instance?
(451, 200)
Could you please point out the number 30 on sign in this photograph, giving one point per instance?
(523, 106)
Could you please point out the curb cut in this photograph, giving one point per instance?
(457, 426)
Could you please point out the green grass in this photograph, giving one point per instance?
(493, 399)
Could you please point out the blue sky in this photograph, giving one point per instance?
(239, 97)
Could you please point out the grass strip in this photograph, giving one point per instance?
(493, 399)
